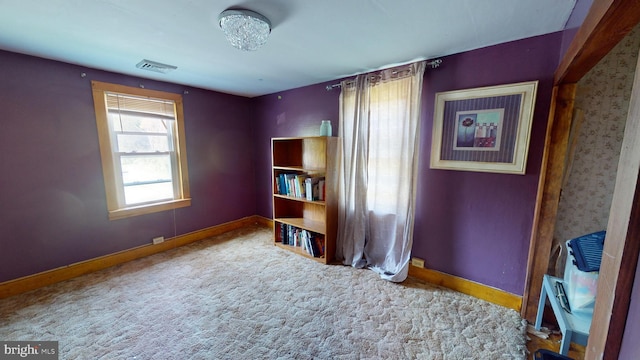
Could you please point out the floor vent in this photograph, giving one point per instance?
(155, 66)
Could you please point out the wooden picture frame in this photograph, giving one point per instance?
(483, 129)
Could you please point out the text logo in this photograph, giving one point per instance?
(38, 350)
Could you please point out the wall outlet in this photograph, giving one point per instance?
(417, 262)
(158, 240)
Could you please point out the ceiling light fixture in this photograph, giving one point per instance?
(245, 29)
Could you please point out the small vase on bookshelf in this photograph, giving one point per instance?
(325, 128)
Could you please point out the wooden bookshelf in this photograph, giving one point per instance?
(297, 217)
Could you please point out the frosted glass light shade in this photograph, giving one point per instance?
(246, 30)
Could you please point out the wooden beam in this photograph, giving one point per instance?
(607, 22)
(549, 188)
(622, 244)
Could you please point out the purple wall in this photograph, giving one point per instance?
(478, 225)
(295, 112)
(52, 200)
(473, 225)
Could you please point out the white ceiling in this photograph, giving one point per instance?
(312, 41)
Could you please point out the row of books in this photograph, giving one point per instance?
(309, 241)
(303, 186)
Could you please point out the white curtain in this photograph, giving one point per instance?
(379, 128)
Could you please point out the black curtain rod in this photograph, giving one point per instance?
(432, 64)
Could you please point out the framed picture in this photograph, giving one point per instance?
(483, 129)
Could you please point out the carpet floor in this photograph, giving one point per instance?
(236, 296)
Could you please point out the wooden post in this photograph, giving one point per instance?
(549, 188)
(622, 244)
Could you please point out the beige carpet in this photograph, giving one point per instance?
(237, 296)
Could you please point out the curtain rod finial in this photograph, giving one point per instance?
(434, 63)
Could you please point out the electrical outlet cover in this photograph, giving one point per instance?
(417, 262)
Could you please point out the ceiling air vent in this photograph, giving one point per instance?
(155, 66)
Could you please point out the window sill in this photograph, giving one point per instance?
(148, 209)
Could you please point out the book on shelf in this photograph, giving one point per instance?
(291, 186)
(306, 237)
(312, 244)
(293, 191)
(302, 186)
(282, 184)
(284, 239)
(321, 189)
(308, 241)
(319, 245)
(292, 236)
(308, 187)
(317, 188)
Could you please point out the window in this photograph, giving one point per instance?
(144, 162)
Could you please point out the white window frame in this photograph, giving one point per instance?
(111, 164)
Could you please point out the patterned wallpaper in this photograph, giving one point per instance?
(603, 98)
